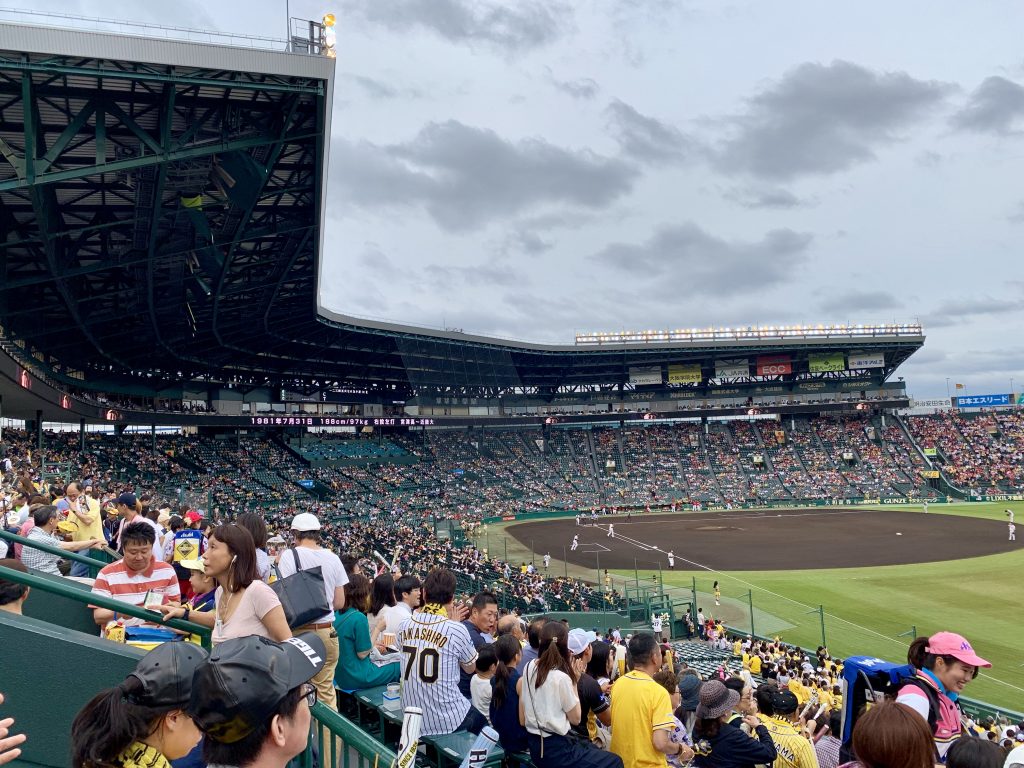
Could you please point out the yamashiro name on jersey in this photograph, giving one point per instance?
(435, 648)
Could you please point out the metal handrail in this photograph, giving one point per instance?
(331, 733)
(100, 601)
(64, 554)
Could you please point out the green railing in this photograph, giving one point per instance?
(340, 743)
(93, 564)
(88, 598)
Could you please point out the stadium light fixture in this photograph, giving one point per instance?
(330, 36)
(755, 332)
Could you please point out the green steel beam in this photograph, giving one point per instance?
(17, 161)
(246, 217)
(316, 89)
(67, 135)
(205, 150)
(165, 124)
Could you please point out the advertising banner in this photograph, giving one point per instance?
(931, 453)
(983, 401)
(930, 473)
(861, 361)
(645, 375)
(933, 403)
(684, 374)
(774, 365)
(732, 369)
(823, 363)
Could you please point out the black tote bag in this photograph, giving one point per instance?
(303, 594)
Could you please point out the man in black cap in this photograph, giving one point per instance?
(792, 746)
(252, 700)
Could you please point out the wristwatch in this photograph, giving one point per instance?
(187, 612)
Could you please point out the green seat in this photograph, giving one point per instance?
(451, 748)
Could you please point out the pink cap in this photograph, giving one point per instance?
(952, 644)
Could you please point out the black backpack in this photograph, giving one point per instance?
(929, 691)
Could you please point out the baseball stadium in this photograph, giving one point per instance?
(163, 339)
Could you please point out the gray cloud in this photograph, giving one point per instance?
(479, 275)
(697, 262)
(519, 26)
(995, 106)
(645, 138)
(378, 89)
(526, 241)
(584, 88)
(956, 310)
(756, 197)
(860, 301)
(465, 177)
(1016, 216)
(821, 119)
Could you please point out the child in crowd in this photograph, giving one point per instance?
(670, 682)
(480, 685)
(203, 586)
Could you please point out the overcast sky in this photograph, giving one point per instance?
(536, 168)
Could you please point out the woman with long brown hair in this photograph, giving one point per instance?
(506, 686)
(243, 604)
(355, 670)
(549, 706)
(892, 735)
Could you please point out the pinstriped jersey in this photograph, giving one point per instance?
(433, 648)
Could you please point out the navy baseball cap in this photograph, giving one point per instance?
(128, 499)
(245, 679)
(784, 702)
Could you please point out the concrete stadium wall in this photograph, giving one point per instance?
(58, 610)
(48, 676)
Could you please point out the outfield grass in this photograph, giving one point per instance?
(867, 609)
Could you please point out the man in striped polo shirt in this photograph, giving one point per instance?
(436, 649)
(136, 574)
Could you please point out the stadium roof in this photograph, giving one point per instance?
(161, 221)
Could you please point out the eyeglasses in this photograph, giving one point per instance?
(308, 692)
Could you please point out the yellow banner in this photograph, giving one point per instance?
(824, 363)
(932, 473)
(684, 374)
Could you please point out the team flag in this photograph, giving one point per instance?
(961, 386)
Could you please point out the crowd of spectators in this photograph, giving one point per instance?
(983, 453)
(382, 518)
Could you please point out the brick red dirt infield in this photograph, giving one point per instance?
(776, 540)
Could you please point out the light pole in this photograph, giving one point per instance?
(750, 601)
(947, 386)
(820, 610)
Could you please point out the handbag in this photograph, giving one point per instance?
(303, 594)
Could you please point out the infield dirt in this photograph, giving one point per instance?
(780, 539)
